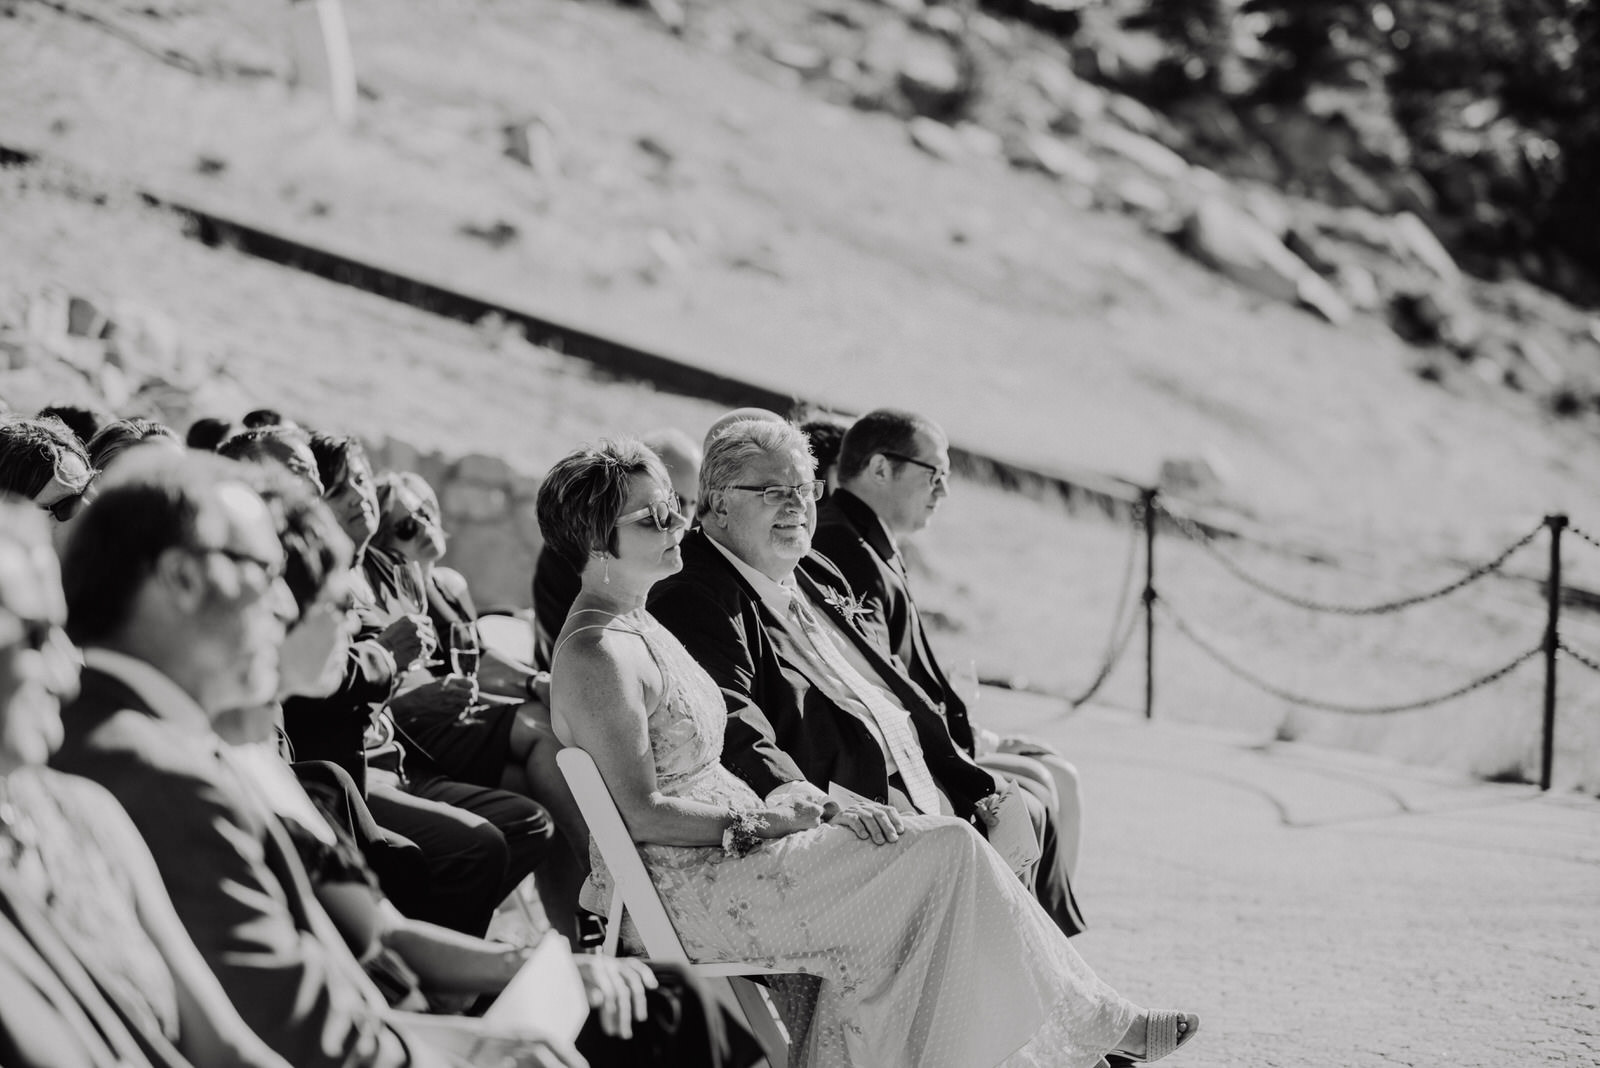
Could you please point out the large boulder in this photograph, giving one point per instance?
(1146, 153)
(933, 77)
(1234, 244)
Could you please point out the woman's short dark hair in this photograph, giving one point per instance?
(582, 496)
(152, 503)
(207, 432)
(115, 437)
(335, 453)
(881, 431)
(825, 436)
(31, 451)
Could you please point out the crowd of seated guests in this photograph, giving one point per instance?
(288, 789)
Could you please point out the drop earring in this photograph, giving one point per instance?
(605, 570)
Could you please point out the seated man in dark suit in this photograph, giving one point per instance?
(894, 470)
(815, 705)
(175, 590)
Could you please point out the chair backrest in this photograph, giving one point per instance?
(633, 888)
(509, 635)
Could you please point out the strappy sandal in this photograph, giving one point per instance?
(1161, 1036)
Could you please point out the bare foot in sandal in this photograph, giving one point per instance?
(1156, 1033)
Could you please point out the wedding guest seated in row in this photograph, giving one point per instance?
(555, 582)
(930, 952)
(503, 738)
(641, 1012)
(174, 590)
(120, 435)
(480, 842)
(43, 461)
(174, 581)
(288, 446)
(814, 703)
(894, 471)
(115, 977)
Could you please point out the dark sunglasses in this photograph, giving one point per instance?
(409, 527)
(67, 507)
(660, 513)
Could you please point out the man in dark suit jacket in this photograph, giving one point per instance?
(893, 473)
(789, 728)
(174, 590)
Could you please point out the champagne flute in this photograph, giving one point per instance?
(464, 650)
(464, 656)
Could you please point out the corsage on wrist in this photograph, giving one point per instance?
(741, 836)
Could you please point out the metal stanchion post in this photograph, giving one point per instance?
(1552, 642)
(1147, 500)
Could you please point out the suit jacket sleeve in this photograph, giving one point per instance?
(718, 640)
(292, 987)
(369, 674)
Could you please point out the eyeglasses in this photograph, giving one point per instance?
(67, 507)
(660, 512)
(410, 526)
(936, 474)
(804, 491)
(271, 570)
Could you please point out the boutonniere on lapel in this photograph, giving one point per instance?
(851, 608)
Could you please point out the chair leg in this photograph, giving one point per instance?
(762, 1018)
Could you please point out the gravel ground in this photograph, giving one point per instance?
(1325, 910)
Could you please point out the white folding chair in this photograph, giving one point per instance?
(637, 894)
(509, 635)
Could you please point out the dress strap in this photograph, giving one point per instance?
(589, 626)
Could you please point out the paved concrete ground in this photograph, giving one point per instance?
(1324, 910)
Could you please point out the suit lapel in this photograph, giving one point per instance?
(891, 676)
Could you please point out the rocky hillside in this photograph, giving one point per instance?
(938, 206)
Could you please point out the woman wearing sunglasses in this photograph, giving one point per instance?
(503, 738)
(43, 461)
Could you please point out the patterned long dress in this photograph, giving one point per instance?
(930, 953)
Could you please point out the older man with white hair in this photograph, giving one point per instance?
(816, 706)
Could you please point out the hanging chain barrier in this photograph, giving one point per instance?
(1550, 646)
(1586, 661)
(1112, 658)
(1583, 535)
(1121, 631)
(1234, 668)
(1194, 533)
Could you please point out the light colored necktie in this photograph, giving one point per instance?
(892, 722)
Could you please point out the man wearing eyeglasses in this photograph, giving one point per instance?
(894, 470)
(817, 708)
(175, 592)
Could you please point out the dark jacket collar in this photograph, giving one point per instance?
(860, 515)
